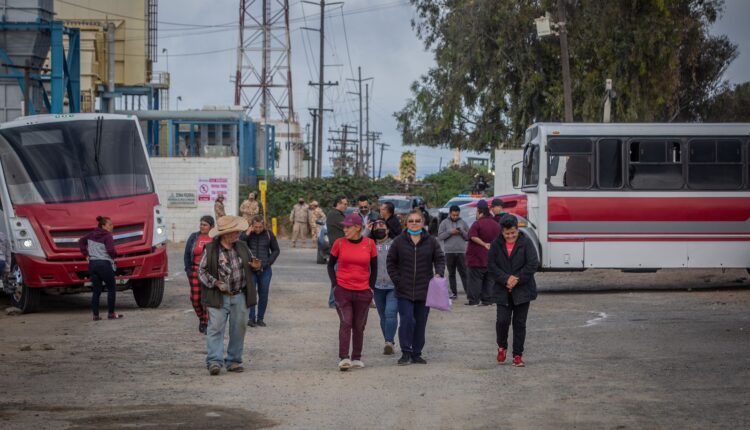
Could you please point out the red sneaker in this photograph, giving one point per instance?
(517, 361)
(501, 354)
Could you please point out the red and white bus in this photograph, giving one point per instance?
(638, 196)
(57, 173)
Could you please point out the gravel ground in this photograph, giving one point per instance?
(604, 350)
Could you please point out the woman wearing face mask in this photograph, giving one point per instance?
(352, 268)
(192, 259)
(413, 259)
(385, 294)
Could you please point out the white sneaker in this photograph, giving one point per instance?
(357, 364)
(345, 364)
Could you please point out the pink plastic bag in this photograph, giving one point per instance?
(437, 295)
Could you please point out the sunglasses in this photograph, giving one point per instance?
(414, 221)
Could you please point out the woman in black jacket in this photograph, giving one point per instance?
(411, 259)
(511, 263)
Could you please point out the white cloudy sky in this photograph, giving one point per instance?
(380, 40)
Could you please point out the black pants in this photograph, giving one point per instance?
(102, 273)
(518, 314)
(480, 286)
(456, 261)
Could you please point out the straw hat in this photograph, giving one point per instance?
(228, 224)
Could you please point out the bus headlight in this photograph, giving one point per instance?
(24, 238)
(160, 227)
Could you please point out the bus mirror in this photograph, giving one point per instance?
(517, 176)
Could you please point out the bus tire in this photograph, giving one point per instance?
(22, 296)
(148, 293)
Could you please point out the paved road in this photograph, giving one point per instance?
(633, 358)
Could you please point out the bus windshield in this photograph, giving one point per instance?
(74, 161)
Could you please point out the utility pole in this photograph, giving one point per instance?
(564, 59)
(608, 96)
(321, 80)
(341, 160)
(361, 167)
(315, 151)
(382, 149)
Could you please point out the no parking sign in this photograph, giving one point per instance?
(210, 188)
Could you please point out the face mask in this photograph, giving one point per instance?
(414, 232)
(302, 202)
(378, 234)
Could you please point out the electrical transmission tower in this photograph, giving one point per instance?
(264, 75)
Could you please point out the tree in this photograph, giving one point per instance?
(408, 167)
(730, 105)
(493, 77)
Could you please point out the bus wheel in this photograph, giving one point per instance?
(21, 296)
(148, 293)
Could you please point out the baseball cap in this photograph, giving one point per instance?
(482, 203)
(352, 219)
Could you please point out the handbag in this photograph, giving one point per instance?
(437, 295)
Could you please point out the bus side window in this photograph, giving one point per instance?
(570, 163)
(655, 165)
(714, 164)
(609, 163)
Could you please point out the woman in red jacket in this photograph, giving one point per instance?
(192, 260)
(352, 268)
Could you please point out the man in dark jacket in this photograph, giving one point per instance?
(387, 211)
(481, 234)
(512, 262)
(497, 209)
(413, 259)
(334, 219)
(335, 231)
(265, 249)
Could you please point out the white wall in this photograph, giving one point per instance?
(182, 174)
(504, 161)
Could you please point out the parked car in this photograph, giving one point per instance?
(324, 248)
(459, 200)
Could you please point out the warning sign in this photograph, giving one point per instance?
(210, 188)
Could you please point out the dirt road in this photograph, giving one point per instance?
(631, 359)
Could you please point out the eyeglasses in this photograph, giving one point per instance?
(414, 221)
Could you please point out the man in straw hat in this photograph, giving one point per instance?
(227, 290)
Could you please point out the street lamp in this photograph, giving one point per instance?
(178, 100)
(544, 28)
(166, 52)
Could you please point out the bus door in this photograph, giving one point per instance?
(569, 181)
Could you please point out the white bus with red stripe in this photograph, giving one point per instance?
(638, 196)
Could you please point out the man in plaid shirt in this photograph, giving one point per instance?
(228, 289)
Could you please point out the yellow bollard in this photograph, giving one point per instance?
(274, 226)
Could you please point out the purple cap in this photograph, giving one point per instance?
(482, 203)
(352, 219)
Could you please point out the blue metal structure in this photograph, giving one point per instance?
(212, 134)
(65, 73)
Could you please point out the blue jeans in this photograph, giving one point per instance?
(234, 311)
(411, 332)
(387, 304)
(263, 284)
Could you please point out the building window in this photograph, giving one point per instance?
(609, 160)
(715, 164)
(569, 163)
(655, 165)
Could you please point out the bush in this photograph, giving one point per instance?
(436, 189)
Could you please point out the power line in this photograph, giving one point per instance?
(110, 13)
